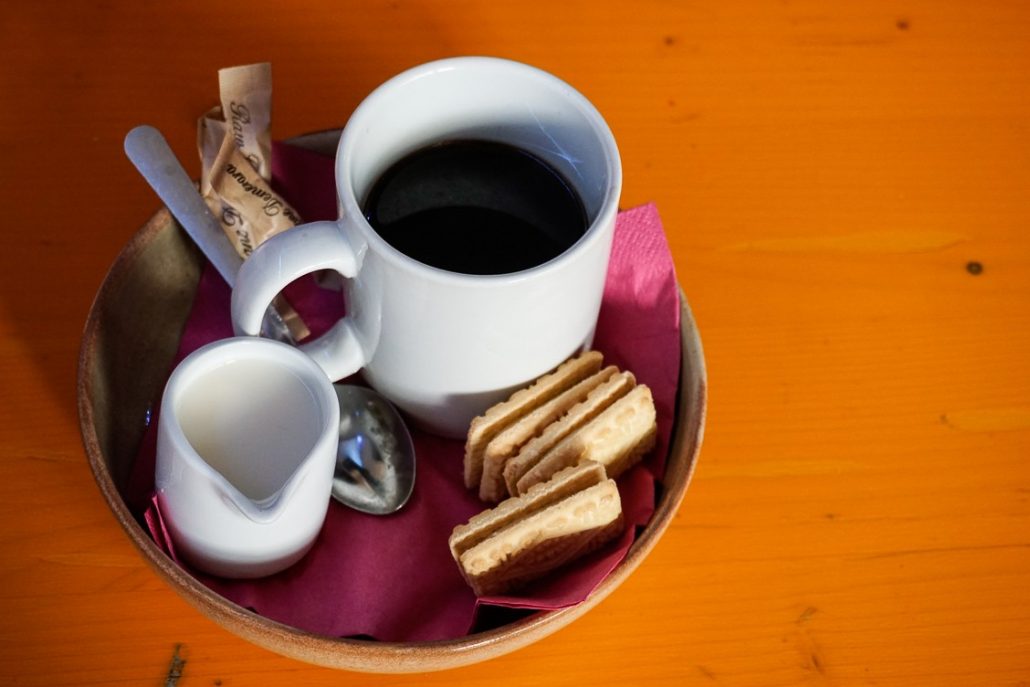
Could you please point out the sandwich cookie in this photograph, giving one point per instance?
(576, 413)
(522, 539)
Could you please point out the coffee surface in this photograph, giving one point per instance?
(476, 207)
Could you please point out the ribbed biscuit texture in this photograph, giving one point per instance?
(578, 412)
(524, 538)
(549, 456)
(578, 416)
(617, 438)
(497, 418)
(510, 441)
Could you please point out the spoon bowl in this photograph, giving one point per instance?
(375, 461)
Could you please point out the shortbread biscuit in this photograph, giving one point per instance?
(617, 438)
(501, 448)
(526, 537)
(595, 403)
(497, 418)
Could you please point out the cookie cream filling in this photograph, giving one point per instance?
(584, 511)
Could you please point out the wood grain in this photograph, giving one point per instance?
(827, 175)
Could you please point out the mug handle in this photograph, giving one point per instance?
(280, 260)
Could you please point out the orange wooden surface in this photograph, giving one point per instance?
(825, 171)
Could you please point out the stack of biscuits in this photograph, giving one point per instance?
(550, 454)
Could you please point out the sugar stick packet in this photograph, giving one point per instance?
(234, 141)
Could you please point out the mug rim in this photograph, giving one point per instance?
(351, 210)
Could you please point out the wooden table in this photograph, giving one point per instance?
(846, 189)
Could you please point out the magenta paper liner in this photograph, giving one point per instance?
(392, 578)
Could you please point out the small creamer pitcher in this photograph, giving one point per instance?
(246, 448)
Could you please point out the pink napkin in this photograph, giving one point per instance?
(392, 578)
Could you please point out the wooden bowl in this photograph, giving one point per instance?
(130, 339)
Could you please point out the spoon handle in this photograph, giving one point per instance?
(150, 153)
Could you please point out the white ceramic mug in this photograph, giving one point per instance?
(246, 449)
(443, 346)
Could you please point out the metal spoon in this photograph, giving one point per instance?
(375, 461)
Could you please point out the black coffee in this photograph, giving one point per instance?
(476, 207)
